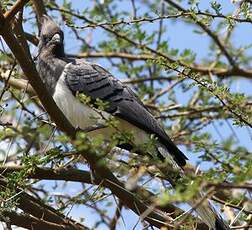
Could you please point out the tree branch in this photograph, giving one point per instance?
(137, 196)
(9, 15)
(41, 211)
(30, 71)
(207, 30)
(220, 72)
(33, 223)
(20, 84)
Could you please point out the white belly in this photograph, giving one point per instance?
(82, 116)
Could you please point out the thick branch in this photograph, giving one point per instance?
(129, 56)
(41, 211)
(229, 185)
(30, 71)
(20, 84)
(31, 222)
(85, 177)
(9, 15)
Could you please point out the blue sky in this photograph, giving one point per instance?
(180, 36)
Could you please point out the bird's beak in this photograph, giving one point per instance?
(56, 38)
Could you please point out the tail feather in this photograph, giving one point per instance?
(205, 210)
(208, 215)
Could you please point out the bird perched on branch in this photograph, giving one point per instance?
(79, 88)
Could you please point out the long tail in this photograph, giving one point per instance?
(205, 210)
(208, 214)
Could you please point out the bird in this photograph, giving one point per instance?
(78, 87)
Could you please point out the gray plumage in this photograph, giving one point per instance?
(65, 78)
(97, 83)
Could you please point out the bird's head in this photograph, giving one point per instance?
(51, 37)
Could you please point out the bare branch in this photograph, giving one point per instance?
(9, 15)
(207, 30)
(33, 223)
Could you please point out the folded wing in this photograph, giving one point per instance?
(97, 83)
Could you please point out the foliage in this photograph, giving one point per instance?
(201, 97)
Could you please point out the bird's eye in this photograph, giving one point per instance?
(56, 38)
(53, 38)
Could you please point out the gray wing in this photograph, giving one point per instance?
(96, 82)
